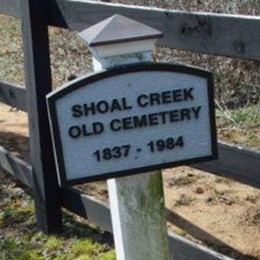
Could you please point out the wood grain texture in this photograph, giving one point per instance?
(21, 170)
(11, 7)
(227, 35)
(38, 85)
(13, 95)
(235, 162)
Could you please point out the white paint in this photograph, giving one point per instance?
(115, 202)
(119, 49)
(108, 62)
(138, 218)
(130, 227)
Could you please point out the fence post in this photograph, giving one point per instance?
(39, 83)
(136, 202)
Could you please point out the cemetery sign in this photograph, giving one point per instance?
(132, 119)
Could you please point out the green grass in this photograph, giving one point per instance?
(249, 116)
(241, 125)
(52, 248)
(20, 240)
(240, 117)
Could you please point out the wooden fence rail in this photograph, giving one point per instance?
(235, 162)
(227, 35)
(18, 168)
(13, 95)
(11, 8)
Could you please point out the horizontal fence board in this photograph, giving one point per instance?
(13, 95)
(182, 249)
(87, 207)
(235, 162)
(11, 7)
(227, 35)
(98, 212)
(21, 170)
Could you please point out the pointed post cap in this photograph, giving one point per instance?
(118, 29)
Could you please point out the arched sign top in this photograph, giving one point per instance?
(132, 119)
(132, 68)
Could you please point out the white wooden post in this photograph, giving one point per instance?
(136, 202)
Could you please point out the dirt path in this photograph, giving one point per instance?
(211, 210)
